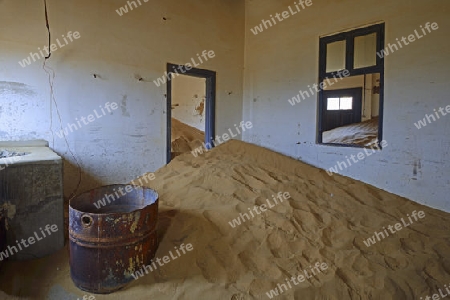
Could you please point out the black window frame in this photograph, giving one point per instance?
(349, 37)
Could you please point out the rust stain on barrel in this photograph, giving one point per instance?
(136, 220)
(110, 243)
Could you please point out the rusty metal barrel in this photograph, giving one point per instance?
(112, 232)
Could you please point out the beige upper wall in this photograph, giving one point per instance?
(283, 59)
(132, 140)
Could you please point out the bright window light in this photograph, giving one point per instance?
(346, 103)
(333, 104)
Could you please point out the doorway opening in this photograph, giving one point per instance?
(190, 109)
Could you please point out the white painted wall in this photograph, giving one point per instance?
(132, 139)
(188, 100)
(284, 58)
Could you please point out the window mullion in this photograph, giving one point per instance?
(349, 58)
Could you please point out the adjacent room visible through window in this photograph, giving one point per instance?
(350, 105)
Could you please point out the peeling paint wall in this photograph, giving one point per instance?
(118, 50)
(283, 59)
(188, 100)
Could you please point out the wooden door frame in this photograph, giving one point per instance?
(210, 102)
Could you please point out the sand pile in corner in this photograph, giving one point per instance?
(185, 138)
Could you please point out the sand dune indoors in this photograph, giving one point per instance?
(185, 138)
(362, 134)
(325, 220)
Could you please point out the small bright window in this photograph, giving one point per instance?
(333, 104)
(343, 103)
(346, 103)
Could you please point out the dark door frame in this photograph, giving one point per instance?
(210, 102)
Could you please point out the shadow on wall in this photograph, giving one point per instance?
(71, 177)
